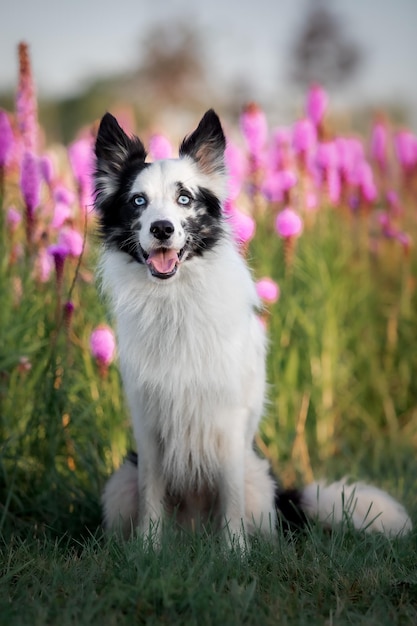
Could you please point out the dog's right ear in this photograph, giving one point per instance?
(206, 145)
(113, 146)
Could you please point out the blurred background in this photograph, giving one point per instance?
(166, 61)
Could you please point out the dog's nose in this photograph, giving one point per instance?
(162, 229)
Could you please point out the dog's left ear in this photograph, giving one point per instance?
(206, 145)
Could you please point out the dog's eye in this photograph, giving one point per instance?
(183, 199)
(139, 200)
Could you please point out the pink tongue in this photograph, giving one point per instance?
(163, 260)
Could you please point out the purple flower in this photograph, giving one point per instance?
(316, 105)
(47, 169)
(59, 253)
(267, 290)
(159, 147)
(254, 128)
(6, 138)
(288, 223)
(103, 345)
(72, 241)
(26, 103)
(30, 182)
(63, 194)
(69, 308)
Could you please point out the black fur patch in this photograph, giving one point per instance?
(117, 213)
(290, 514)
(205, 226)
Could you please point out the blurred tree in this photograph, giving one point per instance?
(322, 52)
(172, 66)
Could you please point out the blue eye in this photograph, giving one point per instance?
(139, 201)
(183, 199)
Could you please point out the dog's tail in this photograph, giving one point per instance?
(366, 507)
(120, 498)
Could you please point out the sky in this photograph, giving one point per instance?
(74, 42)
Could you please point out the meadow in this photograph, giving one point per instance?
(327, 223)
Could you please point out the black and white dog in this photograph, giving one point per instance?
(192, 352)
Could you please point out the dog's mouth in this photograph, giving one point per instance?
(163, 262)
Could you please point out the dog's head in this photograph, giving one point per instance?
(161, 214)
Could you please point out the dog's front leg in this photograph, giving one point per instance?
(233, 493)
(151, 495)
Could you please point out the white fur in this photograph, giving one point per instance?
(367, 507)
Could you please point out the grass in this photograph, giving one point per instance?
(342, 400)
(342, 578)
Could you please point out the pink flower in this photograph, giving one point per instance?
(26, 103)
(236, 169)
(159, 147)
(13, 218)
(394, 203)
(311, 201)
(47, 169)
(30, 182)
(405, 240)
(62, 212)
(316, 105)
(288, 223)
(304, 137)
(379, 144)
(267, 290)
(6, 138)
(365, 180)
(280, 153)
(81, 155)
(71, 240)
(254, 128)
(103, 345)
(406, 149)
(327, 155)
(44, 265)
(278, 184)
(243, 225)
(350, 152)
(334, 187)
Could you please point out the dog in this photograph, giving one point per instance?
(192, 353)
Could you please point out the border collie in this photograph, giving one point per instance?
(192, 352)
